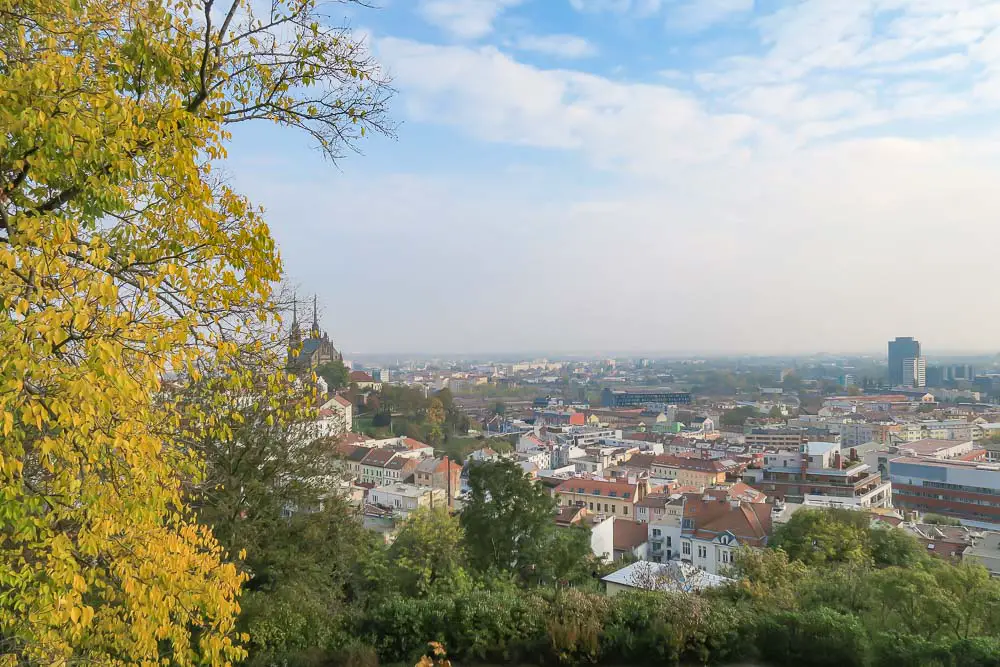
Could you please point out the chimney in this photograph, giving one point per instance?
(837, 461)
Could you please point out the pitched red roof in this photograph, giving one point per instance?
(360, 376)
(629, 534)
(341, 400)
(603, 488)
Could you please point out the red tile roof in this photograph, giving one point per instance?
(360, 376)
(602, 487)
(629, 534)
(342, 401)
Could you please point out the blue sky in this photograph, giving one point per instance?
(655, 176)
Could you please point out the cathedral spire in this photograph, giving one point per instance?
(315, 326)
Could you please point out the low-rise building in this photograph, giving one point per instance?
(434, 472)
(966, 490)
(696, 472)
(818, 475)
(602, 496)
(602, 529)
(403, 499)
(985, 551)
(714, 528)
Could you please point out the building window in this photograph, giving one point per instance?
(591, 507)
(614, 509)
(686, 548)
(625, 510)
(656, 532)
(668, 540)
(702, 551)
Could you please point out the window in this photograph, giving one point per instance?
(612, 493)
(625, 510)
(591, 507)
(686, 548)
(605, 507)
(596, 492)
(614, 508)
(668, 540)
(656, 532)
(702, 551)
(625, 494)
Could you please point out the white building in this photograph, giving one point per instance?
(672, 576)
(405, 498)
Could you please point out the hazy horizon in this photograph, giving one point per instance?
(719, 175)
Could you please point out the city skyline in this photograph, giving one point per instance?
(791, 177)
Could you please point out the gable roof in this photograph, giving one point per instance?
(360, 376)
(342, 401)
(629, 534)
(750, 523)
(598, 487)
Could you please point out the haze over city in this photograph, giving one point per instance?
(654, 176)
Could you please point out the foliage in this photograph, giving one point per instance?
(509, 527)
(428, 552)
(816, 536)
(435, 421)
(335, 374)
(818, 637)
(121, 256)
(940, 520)
(738, 416)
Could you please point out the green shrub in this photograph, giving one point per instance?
(814, 638)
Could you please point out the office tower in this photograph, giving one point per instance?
(914, 372)
(899, 350)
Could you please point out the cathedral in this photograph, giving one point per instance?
(305, 355)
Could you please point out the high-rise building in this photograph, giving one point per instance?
(899, 350)
(914, 372)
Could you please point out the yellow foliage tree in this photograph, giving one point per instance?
(122, 259)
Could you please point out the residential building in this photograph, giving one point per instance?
(693, 472)
(405, 498)
(434, 472)
(602, 496)
(985, 551)
(673, 576)
(364, 381)
(714, 528)
(900, 350)
(630, 539)
(818, 475)
(785, 437)
(601, 529)
(336, 416)
(623, 398)
(966, 490)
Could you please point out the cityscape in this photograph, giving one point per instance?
(544, 333)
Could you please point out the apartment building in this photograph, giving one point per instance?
(603, 496)
(693, 472)
(818, 475)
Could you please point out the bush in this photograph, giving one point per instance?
(815, 638)
(575, 627)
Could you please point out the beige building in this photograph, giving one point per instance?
(698, 473)
(602, 496)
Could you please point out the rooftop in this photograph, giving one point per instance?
(664, 576)
(819, 448)
(629, 534)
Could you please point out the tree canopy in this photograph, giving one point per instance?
(124, 257)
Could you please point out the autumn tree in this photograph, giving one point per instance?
(435, 421)
(122, 258)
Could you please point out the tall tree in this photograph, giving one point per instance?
(435, 421)
(335, 374)
(122, 257)
(509, 527)
(429, 552)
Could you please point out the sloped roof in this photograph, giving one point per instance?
(629, 534)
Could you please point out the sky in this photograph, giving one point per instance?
(673, 176)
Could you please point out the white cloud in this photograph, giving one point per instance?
(464, 19)
(560, 46)
(701, 14)
(637, 7)
(496, 98)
